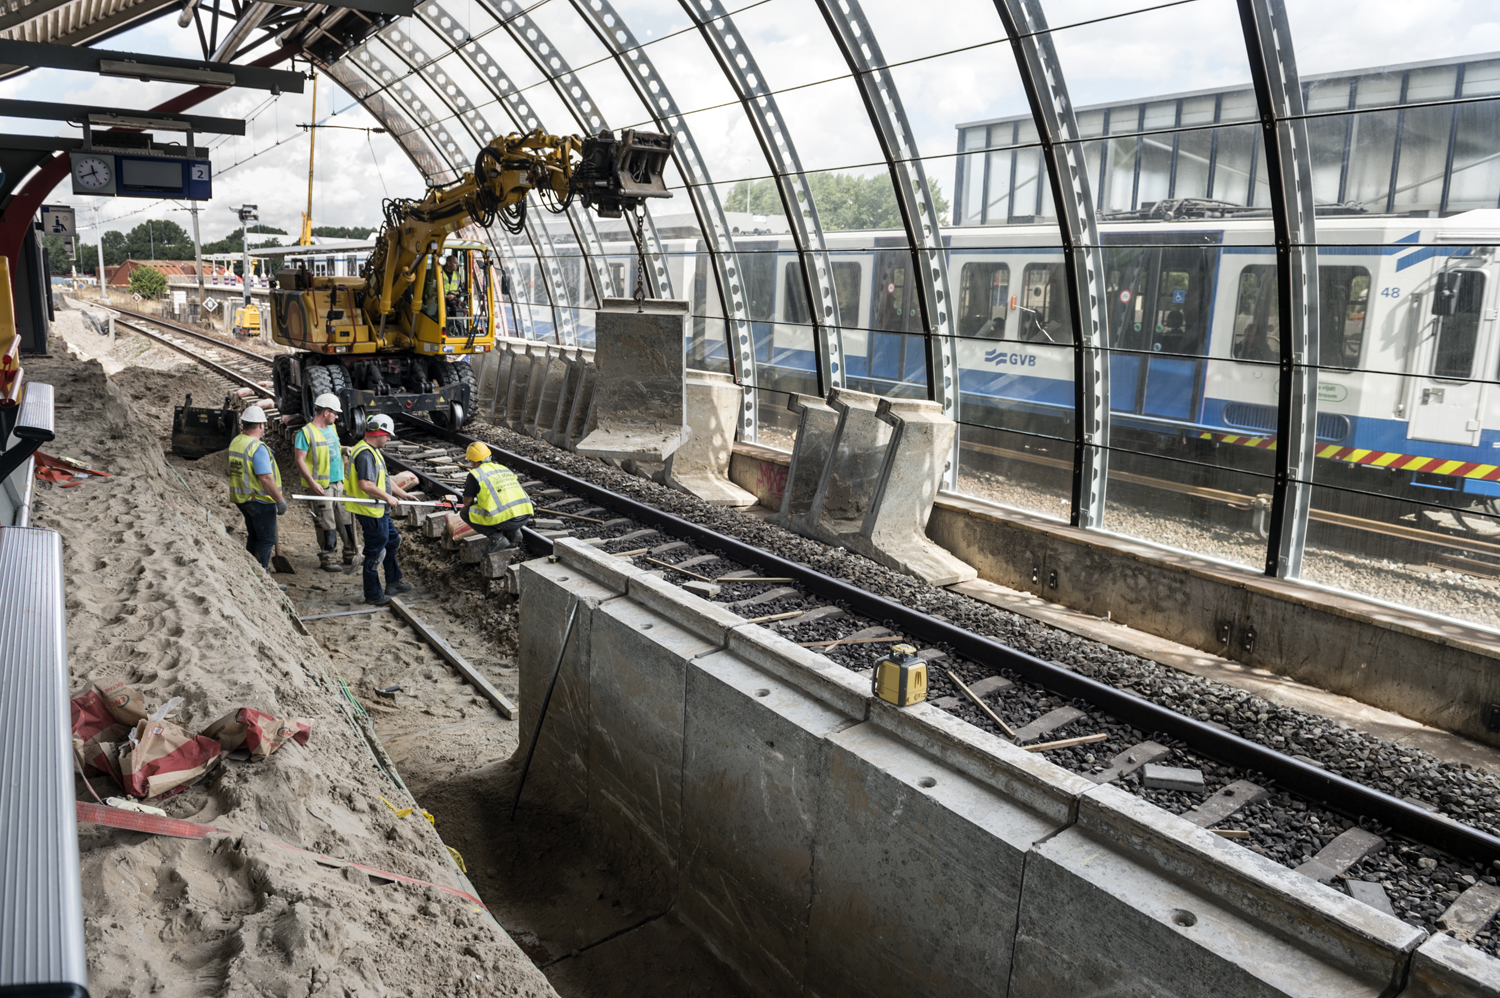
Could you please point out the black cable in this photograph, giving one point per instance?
(536, 732)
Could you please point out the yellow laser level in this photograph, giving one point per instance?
(901, 677)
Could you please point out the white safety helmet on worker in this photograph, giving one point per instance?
(328, 400)
(381, 424)
(478, 452)
(253, 414)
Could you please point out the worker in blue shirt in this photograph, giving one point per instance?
(255, 485)
(321, 461)
(375, 497)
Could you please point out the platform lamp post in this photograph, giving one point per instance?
(99, 240)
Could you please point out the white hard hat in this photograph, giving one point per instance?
(381, 424)
(253, 414)
(328, 400)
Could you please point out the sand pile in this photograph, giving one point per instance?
(160, 596)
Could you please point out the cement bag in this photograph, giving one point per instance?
(257, 732)
(162, 756)
(102, 715)
(404, 480)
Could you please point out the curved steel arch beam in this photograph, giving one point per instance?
(525, 32)
(474, 122)
(1047, 91)
(749, 85)
(371, 95)
(1283, 129)
(368, 62)
(636, 65)
(585, 230)
(856, 39)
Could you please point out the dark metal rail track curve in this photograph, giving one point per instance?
(1329, 789)
(229, 374)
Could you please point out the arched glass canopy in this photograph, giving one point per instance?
(1206, 274)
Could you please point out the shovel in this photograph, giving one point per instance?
(280, 563)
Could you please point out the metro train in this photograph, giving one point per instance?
(1409, 357)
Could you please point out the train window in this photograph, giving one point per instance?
(1257, 319)
(758, 262)
(846, 281)
(1182, 297)
(1044, 315)
(1458, 329)
(1127, 269)
(1343, 295)
(983, 299)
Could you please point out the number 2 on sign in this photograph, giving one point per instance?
(1390, 292)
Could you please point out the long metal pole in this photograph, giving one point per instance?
(99, 239)
(312, 144)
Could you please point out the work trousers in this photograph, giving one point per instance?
(379, 533)
(260, 530)
(509, 529)
(334, 522)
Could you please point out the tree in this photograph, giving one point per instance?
(159, 240)
(148, 282)
(843, 200)
(115, 252)
(234, 242)
(342, 232)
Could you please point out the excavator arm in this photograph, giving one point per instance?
(609, 175)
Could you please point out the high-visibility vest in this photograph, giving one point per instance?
(352, 488)
(320, 446)
(500, 496)
(244, 484)
(450, 283)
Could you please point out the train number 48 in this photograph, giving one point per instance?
(1390, 292)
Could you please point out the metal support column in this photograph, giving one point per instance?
(1083, 258)
(1278, 92)
(755, 96)
(856, 39)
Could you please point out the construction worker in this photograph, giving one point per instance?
(368, 482)
(452, 305)
(494, 502)
(321, 461)
(255, 485)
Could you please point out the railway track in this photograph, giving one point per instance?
(1038, 703)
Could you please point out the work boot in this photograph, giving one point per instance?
(498, 542)
(397, 588)
(381, 600)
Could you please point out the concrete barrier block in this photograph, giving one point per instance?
(817, 424)
(709, 621)
(919, 871)
(818, 675)
(556, 430)
(553, 389)
(852, 473)
(636, 694)
(1443, 967)
(520, 378)
(640, 394)
(1133, 893)
(700, 467)
(548, 594)
(1022, 776)
(605, 569)
(752, 764)
(580, 419)
(536, 387)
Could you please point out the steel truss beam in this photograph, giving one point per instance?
(1062, 148)
(755, 96)
(1278, 91)
(635, 64)
(856, 39)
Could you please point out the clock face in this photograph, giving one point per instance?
(92, 172)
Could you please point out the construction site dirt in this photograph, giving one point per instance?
(162, 595)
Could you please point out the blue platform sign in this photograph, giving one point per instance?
(1179, 297)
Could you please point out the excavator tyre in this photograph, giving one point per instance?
(198, 432)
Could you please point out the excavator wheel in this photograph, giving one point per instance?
(288, 395)
(316, 380)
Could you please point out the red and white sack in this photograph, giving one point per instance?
(102, 715)
(257, 732)
(404, 480)
(162, 756)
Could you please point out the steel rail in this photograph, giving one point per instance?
(224, 372)
(1304, 779)
(197, 334)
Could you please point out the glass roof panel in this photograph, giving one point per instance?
(905, 34)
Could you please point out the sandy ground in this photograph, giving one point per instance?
(159, 594)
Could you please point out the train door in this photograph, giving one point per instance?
(895, 354)
(1445, 403)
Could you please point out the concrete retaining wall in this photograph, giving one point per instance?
(1443, 674)
(829, 845)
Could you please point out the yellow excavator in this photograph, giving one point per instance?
(385, 341)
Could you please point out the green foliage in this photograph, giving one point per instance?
(148, 282)
(342, 231)
(114, 249)
(159, 240)
(844, 200)
(234, 242)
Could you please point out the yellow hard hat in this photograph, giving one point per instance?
(478, 452)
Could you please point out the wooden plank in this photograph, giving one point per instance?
(453, 658)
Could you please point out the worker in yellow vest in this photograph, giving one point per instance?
(321, 460)
(494, 502)
(372, 509)
(255, 485)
